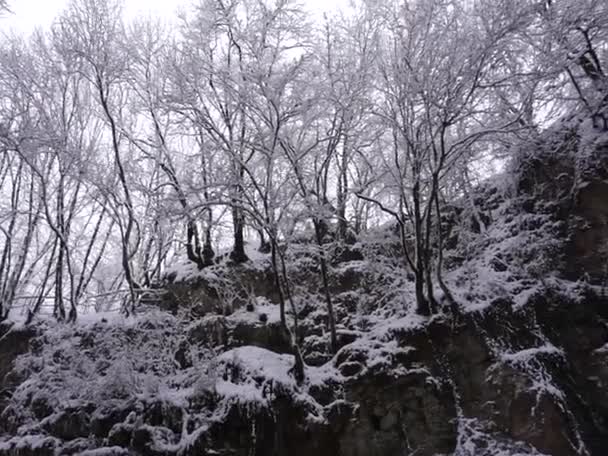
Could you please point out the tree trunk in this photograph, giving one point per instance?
(342, 194)
(193, 249)
(428, 252)
(238, 254)
(208, 253)
(324, 276)
(264, 244)
(103, 90)
(7, 251)
(298, 369)
(59, 311)
(442, 285)
(422, 306)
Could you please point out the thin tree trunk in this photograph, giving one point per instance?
(299, 372)
(126, 234)
(59, 308)
(439, 272)
(238, 254)
(6, 253)
(324, 276)
(79, 286)
(32, 312)
(422, 306)
(32, 222)
(428, 248)
(342, 192)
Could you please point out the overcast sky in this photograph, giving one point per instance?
(27, 14)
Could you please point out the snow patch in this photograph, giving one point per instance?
(524, 356)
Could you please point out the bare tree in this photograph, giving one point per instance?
(434, 102)
(117, 143)
(95, 32)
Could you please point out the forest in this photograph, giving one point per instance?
(127, 145)
(254, 229)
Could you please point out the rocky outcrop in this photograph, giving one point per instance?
(14, 341)
(588, 247)
(517, 380)
(566, 171)
(218, 289)
(443, 388)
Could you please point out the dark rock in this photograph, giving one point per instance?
(182, 355)
(211, 331)
(316, 350)
(120, 435)
(498, 265)
(41, 406)
(202, 295)
(270, 336)
(13, 342)
(281, 429)
(345, 253)
(108, 415)
(588, 245)
(10, 420)
(574, 190)
(407, 415)
(346, 337)
(350, 369)
(68, 424)
(339, 413)
(144, 439)
(163, 413)
(324, 393)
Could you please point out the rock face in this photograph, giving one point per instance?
(480, 386)
(219, 289)
(567, 170)
(13, 342)
(452, 392)
(589, 243)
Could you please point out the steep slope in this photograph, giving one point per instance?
(519, 368)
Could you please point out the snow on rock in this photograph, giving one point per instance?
(184, 270)
(526, 355)
(385, 330)
(371, 355)
(256, 361)
(603, 349)
(534, 372)
(262, 307)
(107, 451)
(252, 375)
(111, 362)
(36, 444)
(474, 440)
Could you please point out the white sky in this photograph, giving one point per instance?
(28, 14)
